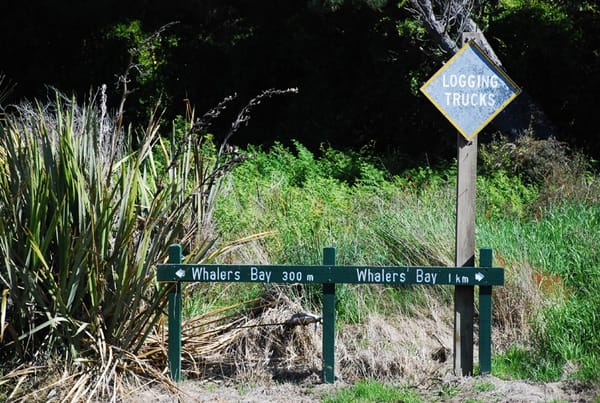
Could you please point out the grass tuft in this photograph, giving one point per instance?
(373, 391)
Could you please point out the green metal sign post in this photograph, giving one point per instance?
(174, 310)
(329, 324)
(485, 276)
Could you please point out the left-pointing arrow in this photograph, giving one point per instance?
(180, 273)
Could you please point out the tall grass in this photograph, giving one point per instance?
(86, 211)
(560, 254)
(346, 201)
(548, 244)
(341, 200)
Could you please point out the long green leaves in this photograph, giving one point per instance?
(84, 216)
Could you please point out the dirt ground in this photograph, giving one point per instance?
(449, 389)
(262, 359)
(415, 362)
(284, 366)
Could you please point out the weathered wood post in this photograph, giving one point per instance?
(470, 90)
(465, 254)
(466, 193)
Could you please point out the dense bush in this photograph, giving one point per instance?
(358, 63)
(84, 217)
(547, 239)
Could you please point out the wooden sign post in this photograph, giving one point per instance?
(465, 254)
(464, 301)
(470, 90)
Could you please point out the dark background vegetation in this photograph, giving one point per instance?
(357, 68)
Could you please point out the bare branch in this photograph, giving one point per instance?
(244, 115)
(201, 124)
(453, 18)
(124, 79)
(423, 9)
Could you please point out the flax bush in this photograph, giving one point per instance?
(84, 217)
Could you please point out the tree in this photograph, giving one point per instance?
(358, 64)
(446, 21)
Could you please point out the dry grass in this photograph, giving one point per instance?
(412, 349)
(517, 305)
(560, 172)
(118, 376)
(253, 343)
(250, 342)
(257, 346)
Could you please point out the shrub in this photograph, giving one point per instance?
(550, 165)
(83, 220)
(84, 217)
(549, 251)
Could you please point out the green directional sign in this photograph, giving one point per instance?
(332, 274)
(328, 274)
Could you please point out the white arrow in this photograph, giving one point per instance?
(180, 273)
(479, 276)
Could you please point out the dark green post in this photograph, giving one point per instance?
(328, 320)
(174, 312)
(485, 316)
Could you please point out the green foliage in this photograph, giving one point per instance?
(427, 177)
(64, 211)
(148, 52)
(570, 334)
(359, 63)
(565, 36)
(536, 161)
(483, 386)
(523, 364)
(84, 217)
(202, 298)
(503, 196)
(353, 167)
(448, 391)
(373, 391)
(410, 28)
(563, 243)
(549, 10)
(295, 194)
(535, 173)
(314, 201)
